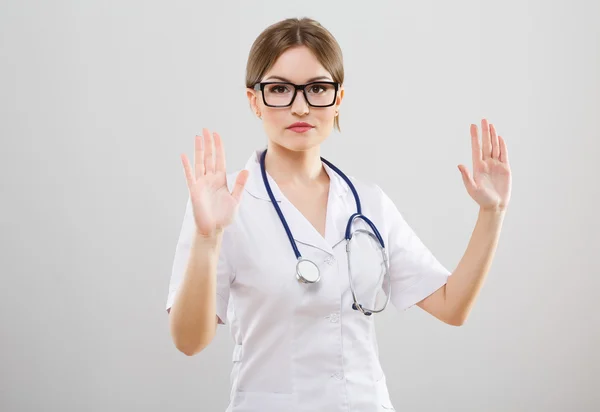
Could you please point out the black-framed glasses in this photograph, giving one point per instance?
(282, 94)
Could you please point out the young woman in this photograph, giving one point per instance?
(264, 248)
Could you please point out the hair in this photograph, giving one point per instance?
(289, 33)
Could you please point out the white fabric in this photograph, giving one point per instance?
(301, 347)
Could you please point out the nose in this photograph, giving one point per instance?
(300, 105)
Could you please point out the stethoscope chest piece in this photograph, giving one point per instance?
(307, 271)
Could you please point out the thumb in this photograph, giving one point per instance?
(240, 183)
(466, 176)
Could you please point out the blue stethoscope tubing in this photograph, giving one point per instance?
(348, 236)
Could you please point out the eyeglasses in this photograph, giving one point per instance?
(282, 94)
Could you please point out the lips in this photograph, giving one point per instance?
(300, 129)
(299, 125)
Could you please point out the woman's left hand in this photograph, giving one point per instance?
(490, 184)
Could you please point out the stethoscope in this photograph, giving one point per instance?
(307, 271)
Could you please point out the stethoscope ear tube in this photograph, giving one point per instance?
(386, 276)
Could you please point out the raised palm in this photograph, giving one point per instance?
(491, 181)
(213, 204)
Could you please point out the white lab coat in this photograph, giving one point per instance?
(301, 347)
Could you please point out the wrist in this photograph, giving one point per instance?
(210, 239)
(498, 210)
(492, 214)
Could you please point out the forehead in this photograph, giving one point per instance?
(298, 65)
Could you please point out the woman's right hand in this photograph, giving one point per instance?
(213, 205)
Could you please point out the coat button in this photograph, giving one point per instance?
(334, 318)
(338, 375)
(330, 260)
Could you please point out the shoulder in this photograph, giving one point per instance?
(369, 191)
(376, 203)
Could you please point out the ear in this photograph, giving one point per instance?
(251, 94)
(340, 96)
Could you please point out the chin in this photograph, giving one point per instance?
(298, 144)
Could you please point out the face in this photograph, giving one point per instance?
(299, 66)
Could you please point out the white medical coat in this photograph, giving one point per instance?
(301, 347)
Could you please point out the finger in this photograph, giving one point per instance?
(187, 168)
(503, 150)
(198, 157)
(240, 183)
(486, 144)
(495, 144)
(475, 146)
(209, 162)
(219, 154)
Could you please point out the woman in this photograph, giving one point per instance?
(302, 342)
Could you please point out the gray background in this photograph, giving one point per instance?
(99, 98)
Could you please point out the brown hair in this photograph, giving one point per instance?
(293, 32)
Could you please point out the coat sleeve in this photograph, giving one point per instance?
(415, 272)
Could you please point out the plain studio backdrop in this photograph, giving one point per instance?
(98, 99)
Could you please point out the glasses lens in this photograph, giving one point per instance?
(320, 94)
(281, 94)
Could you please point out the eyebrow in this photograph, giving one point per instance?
(309, 80)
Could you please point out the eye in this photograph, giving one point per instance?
(279, 88)
(315, 88)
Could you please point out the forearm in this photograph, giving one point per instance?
(193, 314)
(467, 279)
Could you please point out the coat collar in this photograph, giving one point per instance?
(338, 211)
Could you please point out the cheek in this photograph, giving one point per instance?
(276, 118)
(326, 115)
(327, 112)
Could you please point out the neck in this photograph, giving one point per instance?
(289, 167)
